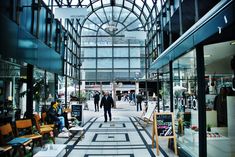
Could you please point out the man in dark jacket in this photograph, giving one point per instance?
(96, 100)
(107, 102)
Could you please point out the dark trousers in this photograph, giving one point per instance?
(139, 104)
(105, 114)
(96, 105)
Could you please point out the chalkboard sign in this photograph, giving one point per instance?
(76, 111)
(164, 125)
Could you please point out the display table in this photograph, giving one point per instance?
(52, 150)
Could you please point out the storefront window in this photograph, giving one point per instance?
(164, 92)
(39, 87)
(12, 83)
(185, 102)
(220, 99)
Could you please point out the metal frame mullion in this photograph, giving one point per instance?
(180, 18)
(196, 11)
(150, 14)
(91, 4)
(126, 26)
(98, 26)
(105, 14)
(99, 17)
(201, 100)
(170, 26)
(132, 9)
(96, 54)
(126, 17)
(129, 59)
(119, 16)
(89, 29)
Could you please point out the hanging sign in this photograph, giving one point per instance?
(71, 13)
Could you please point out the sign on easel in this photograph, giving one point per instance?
(163, 127)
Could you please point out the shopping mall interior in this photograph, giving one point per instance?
(117, 78)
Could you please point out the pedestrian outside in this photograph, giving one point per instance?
(107, 103)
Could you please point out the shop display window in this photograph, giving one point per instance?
(220, 99)
(186, 103)
(164, 76)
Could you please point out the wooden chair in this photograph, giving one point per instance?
(43, 129)
(6, 135)
(43, 119)
(24, 130)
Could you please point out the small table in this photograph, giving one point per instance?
(53, 150)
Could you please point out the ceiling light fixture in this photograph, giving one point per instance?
(111, 27)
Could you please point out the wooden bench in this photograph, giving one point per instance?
(43, 129)
(6, 135)
(24, 130)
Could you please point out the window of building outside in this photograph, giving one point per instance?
(106, 54)
(220, 99)
(185, 102)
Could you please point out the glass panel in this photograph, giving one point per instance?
(104, 41)
(165, 89)
(88, 52)
(89, 63)
(121, 74)
(135, 63)
(104, 52)
(220, 99)
(88, 41)
(120, 41)
(121, 63)
(120, 52)
(185, 102)
(104, 63)
(104, 75)
(134, 52)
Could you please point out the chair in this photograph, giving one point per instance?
(43, 119)
(24, 130)
(43, 129)
(146, 116)
(6, 137)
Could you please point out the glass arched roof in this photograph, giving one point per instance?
(145, 11)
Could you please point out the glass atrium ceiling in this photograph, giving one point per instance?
(106, 55)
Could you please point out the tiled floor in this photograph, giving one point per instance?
(122, 137)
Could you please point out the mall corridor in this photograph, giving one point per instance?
(124, 136)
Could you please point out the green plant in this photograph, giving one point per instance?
(38, 92)
(208, 127)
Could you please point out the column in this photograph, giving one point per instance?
(114, 93)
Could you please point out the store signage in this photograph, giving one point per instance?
(71, 13)
(135, 35)
(163, 126)
(76, 111)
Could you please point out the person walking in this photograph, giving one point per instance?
(139, 101)
(96, 100)
(107, 102)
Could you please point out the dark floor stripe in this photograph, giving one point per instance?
(150, 136)
(79, 138)
(145, 142)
